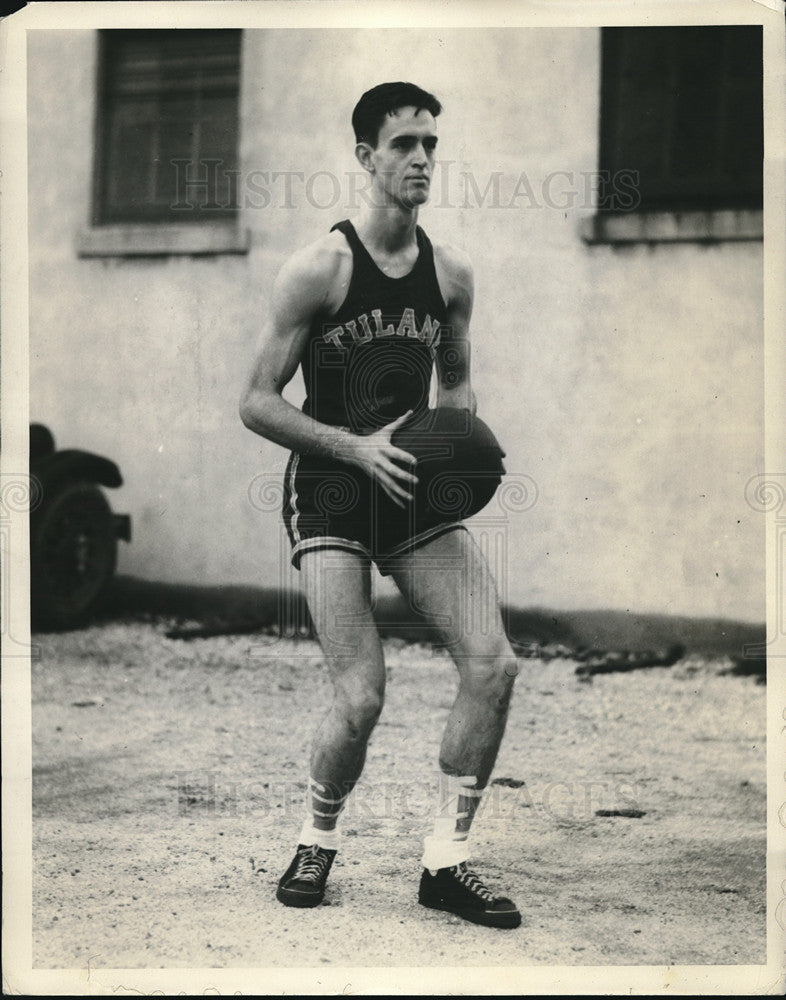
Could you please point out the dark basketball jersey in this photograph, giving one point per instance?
(373, 359)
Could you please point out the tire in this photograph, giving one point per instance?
(73, 553)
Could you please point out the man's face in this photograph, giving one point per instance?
(403, 161)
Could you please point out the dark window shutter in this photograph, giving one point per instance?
(682, 106)
(168, 126)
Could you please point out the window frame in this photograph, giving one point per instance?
(669, 217)
(209, 232)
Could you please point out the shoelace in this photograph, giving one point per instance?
(311, 864)
(473, 883)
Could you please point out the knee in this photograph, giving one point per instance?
(361, 710)
(491, 680)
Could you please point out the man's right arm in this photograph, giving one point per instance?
(301, 292)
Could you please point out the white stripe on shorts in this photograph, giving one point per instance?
(293, 497)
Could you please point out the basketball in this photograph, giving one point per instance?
(459, 464)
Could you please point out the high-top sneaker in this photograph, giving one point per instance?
(303, 883)
(459, 890)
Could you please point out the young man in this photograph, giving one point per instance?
(368, 310)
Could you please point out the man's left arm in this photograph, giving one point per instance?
(452, 355)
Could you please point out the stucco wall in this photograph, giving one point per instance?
(626, 383)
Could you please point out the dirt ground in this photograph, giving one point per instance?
(168, 792)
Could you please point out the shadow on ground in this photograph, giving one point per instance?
(213, 610)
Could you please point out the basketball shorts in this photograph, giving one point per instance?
(332, 505)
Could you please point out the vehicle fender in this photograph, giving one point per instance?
(73, 464)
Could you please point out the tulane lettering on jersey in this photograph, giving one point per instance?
(372, 358)
(360, 331)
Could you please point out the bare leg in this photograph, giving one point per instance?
(338, 591)
(448, 580)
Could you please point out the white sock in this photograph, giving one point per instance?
(449, 844)
(325, 804)
(329, 840)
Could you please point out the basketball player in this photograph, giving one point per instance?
(369, 310)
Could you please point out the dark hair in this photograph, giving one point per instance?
(372, 108)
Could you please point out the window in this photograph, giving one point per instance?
(167, 131)
(681, 108)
